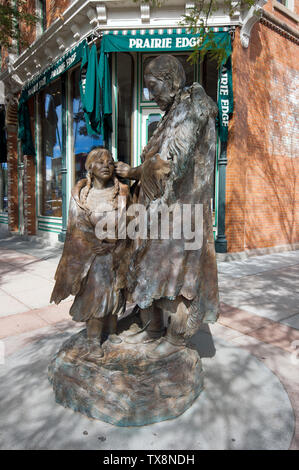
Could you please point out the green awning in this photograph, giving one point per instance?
(24, 129)
(161, 40)
(70, 59)
(168, 41)
(90, 90)
(225, 99)
(34, 86)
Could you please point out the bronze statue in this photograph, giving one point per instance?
(87, 266)
(177, 169)
(148, 372)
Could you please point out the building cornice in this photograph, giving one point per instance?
(282, 28)
(252, 17)
(82, 18)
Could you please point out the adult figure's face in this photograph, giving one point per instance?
(103, 167)
(164, 77)
(159, 91)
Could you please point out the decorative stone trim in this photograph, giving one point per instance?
(252, 17)
(285, 11)
(76, 32)
(12, 115)
(274, 23)
(61, 45)
(92, 16)
(49, 54)
(189, 7)
(236, 12)
(102, 14)
(145, 13)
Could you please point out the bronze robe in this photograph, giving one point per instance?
(162, 268)
(97, 281)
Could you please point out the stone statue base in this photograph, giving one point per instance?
(125, 387)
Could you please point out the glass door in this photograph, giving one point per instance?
(150, 118)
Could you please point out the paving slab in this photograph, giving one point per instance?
(271, 282)
(35, 297)
(235, 296)
(34, 247)
(275, 308)
(292, 321)
(9, 305)
(284, 365)
(258, 264)
(243, 406)
(44, 269)
(21, 323)
(18, 282)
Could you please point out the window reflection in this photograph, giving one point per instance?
(82, 142)
(125, 81)
(152, 123)
(51, 150)
(210, 77)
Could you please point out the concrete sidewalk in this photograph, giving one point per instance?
(254, 342)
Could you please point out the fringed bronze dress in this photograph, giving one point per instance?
(97, 281)
(185, 141)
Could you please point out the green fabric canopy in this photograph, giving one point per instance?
(95, 83)
(24, 129)
(90, 90)
(95, 91)
(225, 99)
(163, 41)
(34, 86)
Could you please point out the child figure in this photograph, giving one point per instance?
(90, 268)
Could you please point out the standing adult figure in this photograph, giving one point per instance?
(166, 278)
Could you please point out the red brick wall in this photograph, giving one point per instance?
(28, 32)
(269, 6)
(29, 196)
(55, 9)
(12, 167)
(29, 188)
(262, 188)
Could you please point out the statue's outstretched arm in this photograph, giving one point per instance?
(125, 171)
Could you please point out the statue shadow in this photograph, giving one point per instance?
(203, 342)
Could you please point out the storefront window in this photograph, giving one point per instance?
(152, 123)
(51, 150)
(210, 77)
(82, 142)
(125, 81)
(3, 187)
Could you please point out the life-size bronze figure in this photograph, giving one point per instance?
(87, 268)
(149, 371)
(178, 162)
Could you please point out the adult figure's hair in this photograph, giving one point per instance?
(169, 69)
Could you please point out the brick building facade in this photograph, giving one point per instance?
(256, 185)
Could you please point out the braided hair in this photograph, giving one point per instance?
(93, 155)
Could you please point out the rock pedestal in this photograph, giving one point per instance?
(125, 387)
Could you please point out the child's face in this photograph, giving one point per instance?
(103, 167)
